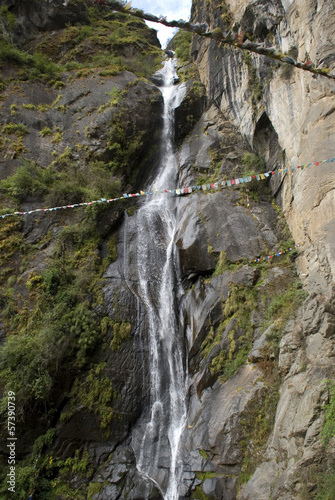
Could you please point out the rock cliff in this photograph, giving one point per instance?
(286, 116)
(80, 120)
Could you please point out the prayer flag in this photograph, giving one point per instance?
(228, 183)
(142, 193)
(262, 176)
(204, 187)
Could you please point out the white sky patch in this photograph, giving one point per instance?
(172, 9)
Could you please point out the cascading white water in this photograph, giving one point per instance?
(157, 450)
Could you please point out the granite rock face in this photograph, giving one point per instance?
(281, 111)
(287, 117)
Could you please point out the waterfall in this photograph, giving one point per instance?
(156, 446)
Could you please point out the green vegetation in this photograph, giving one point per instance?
(96, 394)
(325, 486)
(198, 494)
(125, 152)
(62, 328)
(94, 489)
(280, 310)
(32, 66)
(45, 131)
(239, 305)
(255, 83)
(11, 243)
(224, 264)
(7, 23)
(15, 128)
(181, 44)
(328, 430)
(257, 423)
(242, 300)
(121, 332)
(25, 480)
(56, 183)
(112, 39)
(253, 164)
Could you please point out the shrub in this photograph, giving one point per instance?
(326, 486)
(45, 131)
(7, 22)
(328, 431)
(15, 128)
(181, 44)
(253, 163)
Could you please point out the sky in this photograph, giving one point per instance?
(171, 9)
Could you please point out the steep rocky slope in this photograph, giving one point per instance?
(287, 117)
(259, 337)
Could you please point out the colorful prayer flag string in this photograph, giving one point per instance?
(278, 254)
(230, 38)
(178, 191)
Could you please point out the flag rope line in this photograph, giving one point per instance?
(230, 38)
(179, 191)
(275, 254)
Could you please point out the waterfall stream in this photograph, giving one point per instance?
(157, 444)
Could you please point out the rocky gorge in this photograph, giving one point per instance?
(81, 119)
